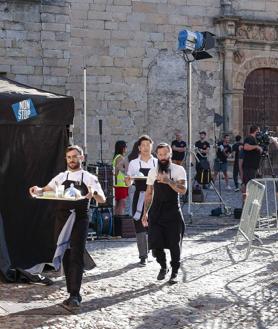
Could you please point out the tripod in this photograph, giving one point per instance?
(264, 161)
(221, 202)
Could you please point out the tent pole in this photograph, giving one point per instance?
(85, 114)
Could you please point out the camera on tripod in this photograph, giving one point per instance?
(263, 139)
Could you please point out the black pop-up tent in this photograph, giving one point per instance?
(33, 137)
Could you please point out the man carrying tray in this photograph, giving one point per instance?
(89, 187)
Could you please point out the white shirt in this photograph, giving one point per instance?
(88, 179)
(134, 165)
(177, 173)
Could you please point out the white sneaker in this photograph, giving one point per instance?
(228, 187)
(236, 189)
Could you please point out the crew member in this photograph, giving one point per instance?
(89, 187)
(237, 146)
(202, 147)
(162, 212)
(221, 164)
(179, 148)
(137, 167)
(252, 157)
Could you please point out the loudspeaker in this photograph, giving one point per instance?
(237, 213)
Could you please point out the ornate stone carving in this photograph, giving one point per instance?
(239, 56)
(230, 28)
(256, 32)
(226, 6)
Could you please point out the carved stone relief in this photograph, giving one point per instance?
(239, 56)
(256, 32)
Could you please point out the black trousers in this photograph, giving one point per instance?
(73, 262)
(235, 175)
(175, 252)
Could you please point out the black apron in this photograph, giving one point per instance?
(166, 223)
(140, 186)
(81, 207)
(73, 260)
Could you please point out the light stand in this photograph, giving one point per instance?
(193, 44)
(100, 137)
(189, 120)
(85, 115)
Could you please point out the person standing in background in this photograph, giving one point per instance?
(237, 146)
(120, 187)
(251, 158)
(202, 148)
(224, 150)
(123, 167)
(178, 148)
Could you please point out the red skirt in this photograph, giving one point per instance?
(120, 192)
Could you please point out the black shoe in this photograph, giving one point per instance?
(162, 273)
(143, 262)
(66, 301)
(78, 297)
(173, 278)
(73, 301)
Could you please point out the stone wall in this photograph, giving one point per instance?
(136, 81)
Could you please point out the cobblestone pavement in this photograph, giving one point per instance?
(216, 289)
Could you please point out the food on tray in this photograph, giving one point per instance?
(49, 194)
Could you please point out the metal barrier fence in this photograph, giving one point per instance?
(250, 217)
(268, 219)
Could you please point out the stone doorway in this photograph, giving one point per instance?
(260, 104)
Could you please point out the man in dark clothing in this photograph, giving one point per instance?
(252, 157)
(221, 164)
(237, 146)
(179, 148)
(202, 148)
(162, 212)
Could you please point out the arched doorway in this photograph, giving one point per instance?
(260, 103)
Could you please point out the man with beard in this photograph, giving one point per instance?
(251, 158)
(162, 212)
(140, 168)
(89, 187)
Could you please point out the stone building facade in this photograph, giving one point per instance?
(136, 79)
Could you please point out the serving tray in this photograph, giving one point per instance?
(57, 198)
